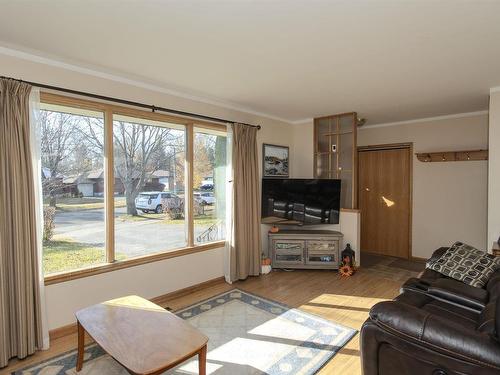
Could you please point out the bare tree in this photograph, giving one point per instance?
(204, 145)
(135, 144)
(57, 145)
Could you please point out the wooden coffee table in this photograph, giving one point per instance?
(142, 336)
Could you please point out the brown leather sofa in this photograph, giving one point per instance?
(436, 326)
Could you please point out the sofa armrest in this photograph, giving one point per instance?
(451, 291)
(415, 285)
(434, 332)
(459, 293)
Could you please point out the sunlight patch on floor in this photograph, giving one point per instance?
(257, 354)
(342, 299)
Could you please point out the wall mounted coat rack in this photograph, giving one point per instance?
(468, 155)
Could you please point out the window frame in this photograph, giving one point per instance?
(109, 110)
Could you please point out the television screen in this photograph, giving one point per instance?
(300, 201)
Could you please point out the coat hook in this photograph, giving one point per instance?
(465, 155)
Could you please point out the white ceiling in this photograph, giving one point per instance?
(292, 59)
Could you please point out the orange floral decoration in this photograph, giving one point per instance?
(345, 271)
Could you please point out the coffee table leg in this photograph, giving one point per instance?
(81, 346)
(202, 361)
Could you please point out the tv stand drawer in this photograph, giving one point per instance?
(326, 259)
(288, 253)
(289, 246)
(288, 259)
(322, 247)
(305, 249)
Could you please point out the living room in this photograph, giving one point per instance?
(267, 187)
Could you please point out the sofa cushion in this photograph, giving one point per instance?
(465, 318)
(467, 264)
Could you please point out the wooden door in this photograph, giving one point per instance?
(384, 193)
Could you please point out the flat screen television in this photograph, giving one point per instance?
(300, 201)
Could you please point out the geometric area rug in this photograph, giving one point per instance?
(248, 335)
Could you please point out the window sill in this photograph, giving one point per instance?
(109, 267)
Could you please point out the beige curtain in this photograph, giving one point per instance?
(244, 242)
(20, 317)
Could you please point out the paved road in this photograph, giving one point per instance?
(132, 238)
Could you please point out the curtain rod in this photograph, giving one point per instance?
(129, 102)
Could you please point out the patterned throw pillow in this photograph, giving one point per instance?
(467, 264)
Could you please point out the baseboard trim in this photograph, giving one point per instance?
(67, 330)
(412, 258)
(185, 291)
(418, 259)
(70, 329)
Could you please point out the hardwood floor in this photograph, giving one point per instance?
(324, 293)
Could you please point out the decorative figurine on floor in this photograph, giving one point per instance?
(348, 263)
(265, 264)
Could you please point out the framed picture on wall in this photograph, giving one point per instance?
(275, 160)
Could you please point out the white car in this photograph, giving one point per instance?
(207, 183)
(205, 198)
(152, 201)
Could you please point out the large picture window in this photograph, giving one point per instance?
(122, 185)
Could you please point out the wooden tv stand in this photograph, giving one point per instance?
(310, 249)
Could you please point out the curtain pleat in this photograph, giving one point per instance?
(244, 241)
(36, 163)
(20, 317)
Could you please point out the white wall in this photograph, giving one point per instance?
(449, 199)
(494, 168)
(148, 281)
(153, 279)
(303, 141)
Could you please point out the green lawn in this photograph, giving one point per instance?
(198, 220)
(86, 206)
(140, 217)
(63, 254)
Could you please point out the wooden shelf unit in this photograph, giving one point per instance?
(335, 153)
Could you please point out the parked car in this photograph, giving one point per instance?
(153, 201)
(206, 198)
(207, 183)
